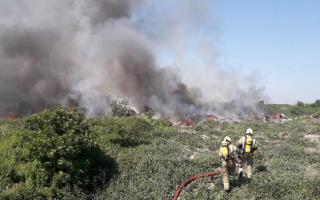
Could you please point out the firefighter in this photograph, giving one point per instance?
(227, 153)
(247, 145)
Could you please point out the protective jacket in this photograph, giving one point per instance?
(227, 153)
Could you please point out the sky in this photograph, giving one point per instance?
(276, 41)
(280, 40)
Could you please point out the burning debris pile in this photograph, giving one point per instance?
(10, 117)
(194, 120)
(90, 52)
(273, 117)
(276, 117)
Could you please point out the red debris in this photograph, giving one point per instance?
(186, 122)
(10, 117)
(276, 117)
(212, 118)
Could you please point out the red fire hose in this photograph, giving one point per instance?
(193, 178)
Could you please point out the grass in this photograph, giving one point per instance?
(153, 171)
(163, 156)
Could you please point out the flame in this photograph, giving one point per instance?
(11, 117)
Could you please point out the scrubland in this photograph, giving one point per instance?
(59, 154)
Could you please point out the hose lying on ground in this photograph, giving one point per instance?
(193, 178)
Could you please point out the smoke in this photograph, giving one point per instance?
(88, 52)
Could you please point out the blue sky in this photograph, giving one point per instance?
(280, 40)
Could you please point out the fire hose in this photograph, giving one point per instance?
(239, 160)
(193, 178)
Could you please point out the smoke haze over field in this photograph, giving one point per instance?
(90, 51)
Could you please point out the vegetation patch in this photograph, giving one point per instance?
(53, 155)
(59, 154)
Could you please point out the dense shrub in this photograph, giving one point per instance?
(126, 131)
(55, 154)
(161, 125)
(132, 131)
(6, 127)
(316, 103)
(298, 110)
(149, 113)
(293, 110)
(206, 125)
(300, 103)
(121, 109)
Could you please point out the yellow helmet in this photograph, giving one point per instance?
(249, 131)
(227, 139)
(224, 143)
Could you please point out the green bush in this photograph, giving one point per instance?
(206, 125)
(121, 109)
(298, 110)
(316, 103)
(300, 103)
(127, 131)
(149, 113)
(133, 131)
(162, 125)
(55, 153)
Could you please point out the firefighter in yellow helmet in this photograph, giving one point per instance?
(247, 145)
(227, 153)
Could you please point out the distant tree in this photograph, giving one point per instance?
(149, 112)
(300, 104)
(121, 109)
(316, 103)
